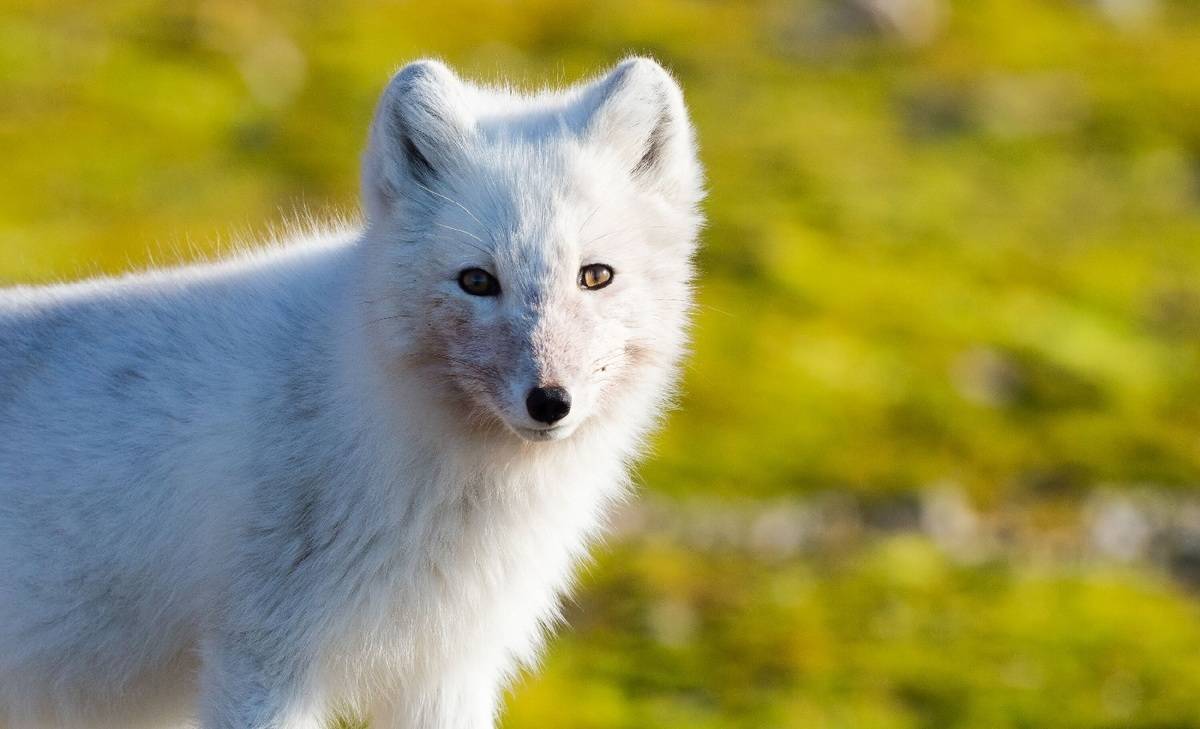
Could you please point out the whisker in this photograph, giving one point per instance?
(628, 229)
(710, 307)
(608, 359)
(452, 201)
(479, 248)
(588, 219)
(609, 353)
(366, 324)
(460, 230)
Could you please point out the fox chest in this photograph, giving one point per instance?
(477, 590)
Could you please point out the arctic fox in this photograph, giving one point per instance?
(352, 473)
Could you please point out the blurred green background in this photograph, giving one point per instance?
(938, 460)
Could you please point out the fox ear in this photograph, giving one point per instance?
(418, 136)
(636, 111)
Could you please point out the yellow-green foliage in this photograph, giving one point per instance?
(957, 243)
(894, 637)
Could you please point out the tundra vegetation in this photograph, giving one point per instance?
(938, 458)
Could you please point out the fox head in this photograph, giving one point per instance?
(533, 253)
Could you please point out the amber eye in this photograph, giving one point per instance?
(595, 276)
(478, 282)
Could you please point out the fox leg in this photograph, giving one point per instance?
(458, 702)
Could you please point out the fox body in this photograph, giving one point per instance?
(353, 472)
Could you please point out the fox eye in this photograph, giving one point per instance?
(478, 282)
(595, 276)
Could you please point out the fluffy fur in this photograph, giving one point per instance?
(249, 494)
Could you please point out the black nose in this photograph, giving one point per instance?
(548, 404)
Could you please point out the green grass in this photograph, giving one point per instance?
(968, 258)
(891, 636)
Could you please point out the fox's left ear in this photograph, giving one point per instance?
(636, 111)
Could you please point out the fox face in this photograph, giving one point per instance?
(534, 254)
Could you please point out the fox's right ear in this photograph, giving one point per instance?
(419, 135)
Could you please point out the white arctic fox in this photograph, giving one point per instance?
(351, 473)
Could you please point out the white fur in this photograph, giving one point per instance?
(249, 494)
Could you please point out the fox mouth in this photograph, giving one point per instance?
(553, 432)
